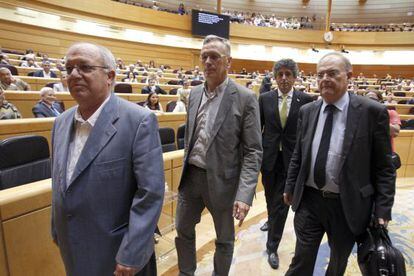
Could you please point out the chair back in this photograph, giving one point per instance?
(167, 139)
(170, 106)
(123, 88)
(23, 159)
(180, 136)
(13, 70)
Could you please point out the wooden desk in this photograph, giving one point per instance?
(26, 247)
(25, 100)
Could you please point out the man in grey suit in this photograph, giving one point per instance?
(107, 173)
(340, 173)
(223, 154)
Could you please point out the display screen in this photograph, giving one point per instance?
(206, 23)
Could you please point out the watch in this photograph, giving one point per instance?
(328, 36)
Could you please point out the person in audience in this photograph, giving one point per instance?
(155, 6)
(8, 82)
(4, 59)
(183, 94)
(153, 102)
(120, 65)
(197, 75)
(60, 64)
(7, 110)
(181, 9)
(46, 72)
(249, 85)
(279, 110)
(152, 87)
(131, 74)
(47, 106)
(266, 83)
(30, 63)
(389, 99)
(338, 193)
(139, 64)
(151, 64)
(395, 121)
(29, 54)
(107, 173)
(62, 86)
(222, 158)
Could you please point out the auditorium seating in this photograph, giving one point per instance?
(167, 137)
(23, 159)
(123, 88)
(180, 136)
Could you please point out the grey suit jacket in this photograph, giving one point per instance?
(111, 206)
(367, 175)
(234, 151)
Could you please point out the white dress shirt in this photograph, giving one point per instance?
(78, 139)
(289, 100)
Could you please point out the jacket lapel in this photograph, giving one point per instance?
(310, 132)
(352, 122)
(225, 105)
(196, 96)
(294, 107)
(62, 144)
(100, 135)
(274, 105)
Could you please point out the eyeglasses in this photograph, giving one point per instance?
(83, 69)
(213, 57)
(331, 74)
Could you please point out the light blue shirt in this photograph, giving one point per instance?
(335, 154)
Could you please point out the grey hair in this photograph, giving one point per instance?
(345, 60)
(45, 90)
(211, 38)
(106, 55)
(5, 69)
(287, 63)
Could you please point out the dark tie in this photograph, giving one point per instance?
(322, 156)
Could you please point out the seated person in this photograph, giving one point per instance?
(389, 99)
(46, 72)
(62, 86)
(152, 87)
(7, 110)
(47, 106)
(183, 94)
(8, 82)
(4, 59)
(153, 102)
(29, 62)
(131, 74)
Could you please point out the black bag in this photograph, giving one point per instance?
(377, 256)
(396, 161)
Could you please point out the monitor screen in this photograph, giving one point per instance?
(206, 23)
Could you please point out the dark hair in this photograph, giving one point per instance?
(287, 63)
(148, 102)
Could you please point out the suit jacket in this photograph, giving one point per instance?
(111, 206)
(266, 85)
(41, 110)
(234, 151)
(39, 74)
(158, 90)
(366, 176)
(272, 132)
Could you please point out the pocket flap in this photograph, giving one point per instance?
(367, 190)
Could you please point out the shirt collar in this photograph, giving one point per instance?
(95, 115)
(289, 94)
(340, 104)
(218, 89)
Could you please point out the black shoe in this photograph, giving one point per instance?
(273, 260)
(265, 227)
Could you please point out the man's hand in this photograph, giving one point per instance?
(240, 210)
(287, 198)
(122, 270)
(383, 222)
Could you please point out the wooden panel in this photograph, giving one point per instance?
(30, 246)
(25, 100)
(4, 270)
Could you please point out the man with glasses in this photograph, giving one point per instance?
(279, 115)
(222, 159)
(340, 174)
(107, 173)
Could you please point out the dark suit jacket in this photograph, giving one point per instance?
(266, 85)
(272, 132)
(367, 175)
(147, 90)
(40, 74)
(41, 110)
